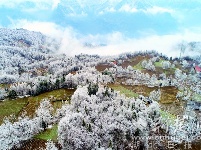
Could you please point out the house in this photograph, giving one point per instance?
(197, 69)
(113, 63)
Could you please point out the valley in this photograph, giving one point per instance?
(90, 101)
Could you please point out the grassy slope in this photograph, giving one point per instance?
(55, 96)
(61, 94)
(158, 64)
(123, 90)
(12, 107)
(49, 134)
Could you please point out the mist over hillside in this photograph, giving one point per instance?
(100, 75)
(25, 49)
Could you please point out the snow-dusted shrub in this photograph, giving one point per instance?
(154, 59)
(130, 68)
(50, 145)
(2, 93)
(129, 81)
(155, 95)
(185, 64)
(166, 64)
(173, 66)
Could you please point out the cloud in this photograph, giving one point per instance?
(55, 3)
(48, 28)
(166, 44)
(72, 42)
(36, 4)
(134, 8)
(155, 10)
(111, 9)
(73, 14)
(127, 8)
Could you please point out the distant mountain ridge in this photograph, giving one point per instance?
(21, 48)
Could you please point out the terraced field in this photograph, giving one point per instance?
(29, 105)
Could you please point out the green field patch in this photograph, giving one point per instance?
(167, 117)
(12, 107)
(48, 134)
(159, 68)
(123, 90)
(158, 64)
(4, 85)
(138, 66)
(1, 86)
(197, 97)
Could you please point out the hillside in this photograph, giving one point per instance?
(93, 102)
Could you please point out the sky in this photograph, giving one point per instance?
(117, 25)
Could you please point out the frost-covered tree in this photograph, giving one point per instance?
(148, 65)
(8, 79)
(50, 145)
(45, 113)
(153, 80)
(11, 134)
(144, 63)
(105, 119)
(185, 128)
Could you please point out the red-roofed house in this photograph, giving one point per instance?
(114, 62)
(197, 69)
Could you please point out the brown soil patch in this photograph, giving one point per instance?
(134, 61)
(168, 94)
(102, 67)
(34, 144)
(141, 89)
